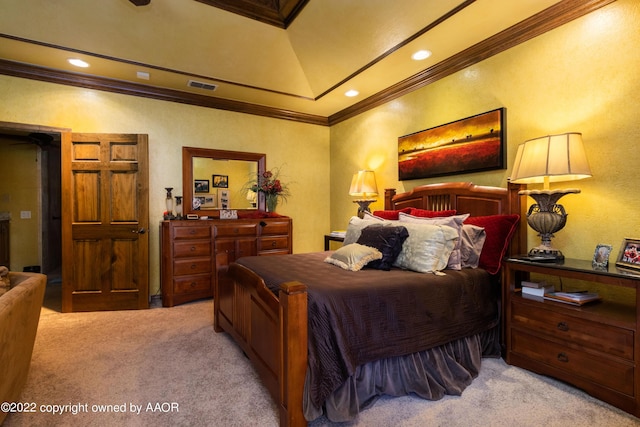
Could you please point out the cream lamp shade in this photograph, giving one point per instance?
(363, 184)
(551, 158)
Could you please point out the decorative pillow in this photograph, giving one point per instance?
(428, 247)
(499, 229)
(431, 214)
(388, 240)
(472, 240)
(356, 225)
(455, 221)
(391, 215)
(353, 256)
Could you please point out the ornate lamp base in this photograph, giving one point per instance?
(547, 253)
(547, 217)
(364, 206)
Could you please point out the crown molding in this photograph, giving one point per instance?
(549, 19)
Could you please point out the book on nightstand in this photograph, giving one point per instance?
(537, 292)
(338, 233)
(575, 298)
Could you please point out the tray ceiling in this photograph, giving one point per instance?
(293, 59)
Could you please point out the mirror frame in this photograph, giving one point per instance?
(188, 153)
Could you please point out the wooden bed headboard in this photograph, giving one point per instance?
(465, 197)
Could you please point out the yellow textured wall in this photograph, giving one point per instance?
(20, 191)
(580, 77)
(301, 150)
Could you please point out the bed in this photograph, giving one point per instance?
(328, 341)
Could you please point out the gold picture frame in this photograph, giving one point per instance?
(629, 256)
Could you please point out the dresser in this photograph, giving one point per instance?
(595, 347)
(196, 254)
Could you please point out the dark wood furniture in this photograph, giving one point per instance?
(253, 161)
(272, 331)
(328, 238)
(5, 249)
(196, 253)
(595, 347)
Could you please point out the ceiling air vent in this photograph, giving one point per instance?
(201, 85)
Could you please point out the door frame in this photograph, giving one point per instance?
(23, 129)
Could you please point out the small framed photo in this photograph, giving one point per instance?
(220, 181)
(629, 256)
(201, 185)
(223, 199)
(601, 257)
(209, 201)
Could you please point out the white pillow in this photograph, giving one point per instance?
(353, 257)
(428, 247)
(355, 227)
(455, 221)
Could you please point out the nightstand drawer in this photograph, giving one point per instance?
(192, 232)
(191, 249)
(604, 371)
(191, 266)
(597, 336)
(183, 285)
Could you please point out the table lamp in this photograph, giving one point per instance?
(363, 185)
(551, 158)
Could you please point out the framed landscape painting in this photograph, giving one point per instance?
(473, 144)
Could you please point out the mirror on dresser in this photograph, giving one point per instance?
(216, 179)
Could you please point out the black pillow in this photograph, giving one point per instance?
(387, 240)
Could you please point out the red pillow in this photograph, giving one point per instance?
(499, 229)
(431, 214)
(391, 215)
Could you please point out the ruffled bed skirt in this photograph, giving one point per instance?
(430, 374)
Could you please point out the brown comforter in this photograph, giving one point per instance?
(359, 317)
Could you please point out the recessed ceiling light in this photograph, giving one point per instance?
(351, 93)
(78, 62)
(420, 55)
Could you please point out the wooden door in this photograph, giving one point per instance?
(105, 211)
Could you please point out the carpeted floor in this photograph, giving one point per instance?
(166, 366)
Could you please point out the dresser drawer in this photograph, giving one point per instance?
(272, 243)
(183, 267)
(182, 249)
(183, 285)
(233, 230)
(605, 338)
(276, 227)
(192, 232)
(603, 371)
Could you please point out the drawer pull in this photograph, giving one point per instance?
(563, 326)
(193, 248)
(192, 231)
(562, 357)
(193, 266)
(273, 244)
(193, 284)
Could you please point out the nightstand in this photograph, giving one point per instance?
(328, 238)
(595, 347)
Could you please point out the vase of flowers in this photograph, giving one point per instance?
(272, 187)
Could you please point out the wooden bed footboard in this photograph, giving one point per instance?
(271, 331)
